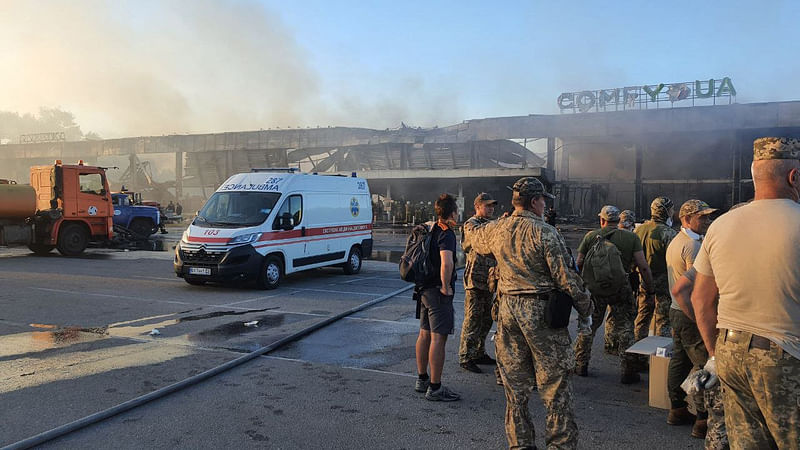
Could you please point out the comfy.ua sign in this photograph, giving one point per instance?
(640, 97)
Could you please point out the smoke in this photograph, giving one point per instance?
(145, 67)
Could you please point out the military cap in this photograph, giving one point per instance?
(776, 148)
(695, 206)
(610, 213)
(627, 217)
(484, 199)
(530, 186)
(661, 203)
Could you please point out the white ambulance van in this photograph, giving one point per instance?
(269, 223)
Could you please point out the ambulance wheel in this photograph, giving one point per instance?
(72, 239)
(353, 264)
(271, 273)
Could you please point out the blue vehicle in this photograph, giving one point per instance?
(140, 220)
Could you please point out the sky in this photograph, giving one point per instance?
(148, 67)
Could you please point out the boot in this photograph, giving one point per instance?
(700, 428)
(680, 416)
(471, 367)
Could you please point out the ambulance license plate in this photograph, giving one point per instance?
(199, 271)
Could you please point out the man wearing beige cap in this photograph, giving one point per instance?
(750, 258)
(478, 297)
(618, 299)
(688, 349)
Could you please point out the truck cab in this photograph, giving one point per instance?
(73, 205)
(139, 219)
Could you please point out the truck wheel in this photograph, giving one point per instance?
(271, 273)
(41, 249)
(353, 264)
(72, 240)
(142, 227)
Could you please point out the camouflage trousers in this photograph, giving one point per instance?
(717, 435)
(621, 313)
(477, 323)
(689, 353)
(660, 310)
(760, 391)
(529, 353)
(611, 344)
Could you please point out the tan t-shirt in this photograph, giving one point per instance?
(753, 253)
(681, 253)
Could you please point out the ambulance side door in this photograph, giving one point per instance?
(289, 227)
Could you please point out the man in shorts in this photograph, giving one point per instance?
(436, 310)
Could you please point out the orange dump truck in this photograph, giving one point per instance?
(65, 207)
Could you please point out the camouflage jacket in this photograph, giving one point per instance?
(476, 271)
(531, 258)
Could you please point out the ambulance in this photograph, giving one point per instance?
(269, 223)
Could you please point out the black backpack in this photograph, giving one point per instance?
(415, 264)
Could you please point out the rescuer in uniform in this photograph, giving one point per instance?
(532, 262)
(620, 304)
(688, 349)
(655, 235)
(478, 297)
(627, 221)
(746, 300)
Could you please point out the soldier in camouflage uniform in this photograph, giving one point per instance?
(656, 235)
(620, 304)
(478, 298)
(627, 221)
(745, 300)
(532, 262)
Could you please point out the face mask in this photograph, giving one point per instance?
(669, 221)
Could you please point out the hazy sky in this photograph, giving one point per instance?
(153, 67)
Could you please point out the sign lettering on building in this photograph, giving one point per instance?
(648, 96)
(36, 138)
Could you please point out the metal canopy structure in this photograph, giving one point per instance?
(616, 156)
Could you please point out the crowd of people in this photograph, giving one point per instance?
(727, 292)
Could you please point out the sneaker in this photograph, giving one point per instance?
(582, 371)
(486, 360)
(422, 385)
(471, 367)
(630, 378)
(441, 395)
(680, 416)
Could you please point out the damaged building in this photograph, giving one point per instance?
(620, 157)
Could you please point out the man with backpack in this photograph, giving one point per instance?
(435, 278)
(604, 257)
(478, 298)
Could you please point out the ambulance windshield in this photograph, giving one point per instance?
(236, 209)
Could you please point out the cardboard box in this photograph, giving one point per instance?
(659, 367)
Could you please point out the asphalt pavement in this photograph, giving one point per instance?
(77, 336)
